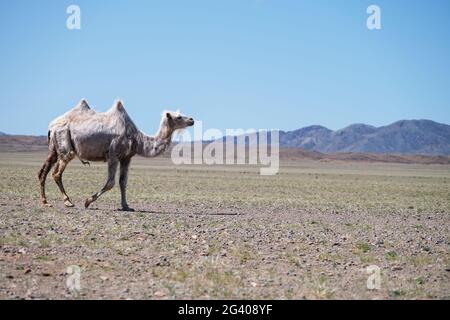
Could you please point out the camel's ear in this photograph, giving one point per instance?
(168, 116)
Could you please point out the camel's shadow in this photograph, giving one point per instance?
(166, 212)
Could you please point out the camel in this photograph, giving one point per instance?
(111, 137)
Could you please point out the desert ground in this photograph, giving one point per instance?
(208, 232)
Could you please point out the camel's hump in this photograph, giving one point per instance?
(118, 106)
(81, 109)
(83, 105)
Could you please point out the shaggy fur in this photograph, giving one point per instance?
(111, 137)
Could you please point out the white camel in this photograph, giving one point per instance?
(110, 136)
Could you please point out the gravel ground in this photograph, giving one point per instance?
(226, 232)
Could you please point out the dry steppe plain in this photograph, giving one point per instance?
(208, 232)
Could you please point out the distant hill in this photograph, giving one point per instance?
(402, 137)
(2, 134)
(12, 143)
(406, 141)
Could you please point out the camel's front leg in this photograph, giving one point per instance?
(112, 169)
(124, 165)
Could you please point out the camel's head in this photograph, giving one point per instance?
(176, 120)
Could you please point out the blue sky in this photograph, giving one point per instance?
(230, 63)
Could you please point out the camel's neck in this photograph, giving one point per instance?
(152, 146)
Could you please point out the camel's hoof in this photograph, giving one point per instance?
(68, 204)
(87, 203)
(46, 204)
(127, 209)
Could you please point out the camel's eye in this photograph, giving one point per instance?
(179, 118)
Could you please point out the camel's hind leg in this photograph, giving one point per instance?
(52, 158)
(57, 176)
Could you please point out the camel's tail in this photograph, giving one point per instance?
(85, 162)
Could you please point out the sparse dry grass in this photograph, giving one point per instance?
(227, 232)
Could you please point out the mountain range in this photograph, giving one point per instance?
(402, 137)
(409, 137)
